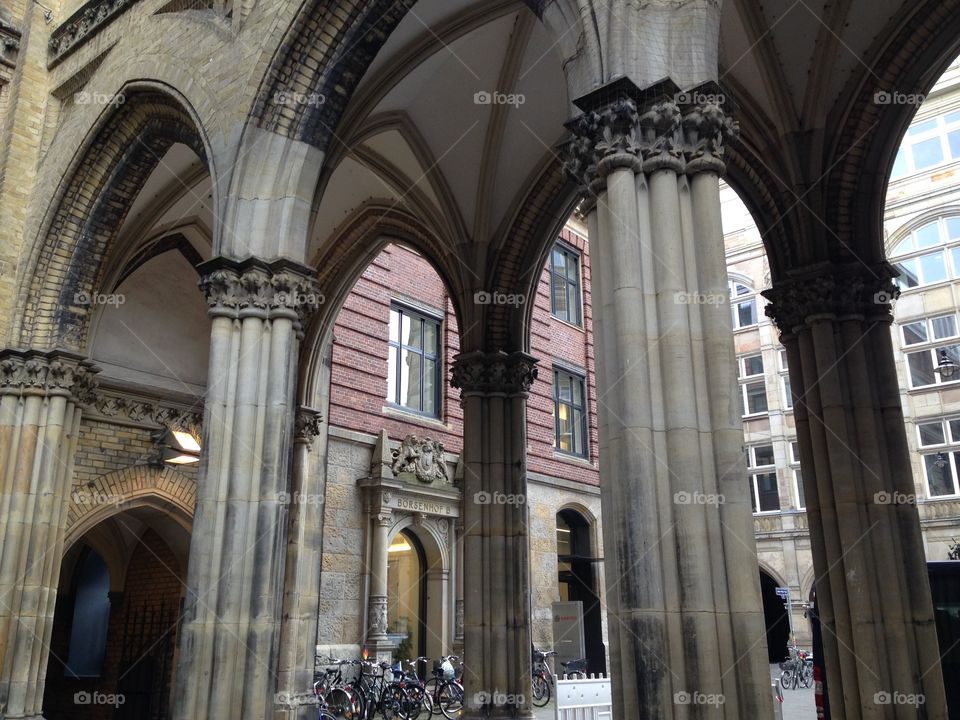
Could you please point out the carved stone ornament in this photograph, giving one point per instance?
(307, 424)
(421, 458)
(87, 21)
(458, 620)
(54, 373)
(272, 288)
(862, 290)
(498, 372)
(377, 618)
(190, 419)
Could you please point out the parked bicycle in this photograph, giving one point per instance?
(445, 687)
(797, 670)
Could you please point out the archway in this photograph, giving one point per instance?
(775, 618)
(407, 600)
(577, 581)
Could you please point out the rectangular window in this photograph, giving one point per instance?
(754, 397)
(941, 467)
(931, 433)
(750, 366)
(764, 492)
(569, 412)
(941, 472)
(565, 284)
(414, 369)
(944, 327)
(787, 391)
(923, 363)
(915, 332)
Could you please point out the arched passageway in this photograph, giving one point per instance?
(577, 580)
(775, 618)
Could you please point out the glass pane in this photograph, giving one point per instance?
(410, 384)
(430, 386)
(798, 479)
(928, 235)
(559, 261)
(939, 474)
(756, 398)
(915, 332)
(577, 428)
(747, 313)
(394, 326)
(951, 118)
(931, 433)
(559, 296)
(769, 493)
(932, 267)
(899, 165)
(564, 391)
(573, 304)
(787, 392)
(739, 290)
(921, 369)
(927, 153)
(412, 332)
(573, 268)
(795, 452)
(753, 365)
(955, 257)
(576, 385)
(953, 139)
(953, 228)
(753, 493)
(954, 430)
(430, 335)
(922, 127)
(783, 359)
(953, 352)
(763, 455)
(904, 246)
(392, 375)
(563, 428)
(944, 327)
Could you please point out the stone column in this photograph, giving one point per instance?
(40, 396)
(683, 599)
(377, 598)
(497, 611)
(458, 586)
(230, 632)
(873, 593)
(301, 596)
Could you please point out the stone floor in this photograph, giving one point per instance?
(797, 704)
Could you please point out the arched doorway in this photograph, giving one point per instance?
(407, 595)
(576, 579)
(775, 618)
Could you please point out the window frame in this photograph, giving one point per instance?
(575, 376)
(746, 381)
(795, 471)
(754, 470)
(736, 299)
(576, 284)
(423, 316)
(941, 130)
(946, 246)
(950, 448)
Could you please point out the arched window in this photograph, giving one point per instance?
(743, 301)
(91, 616)
(929, 254)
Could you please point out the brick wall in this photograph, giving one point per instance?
(359, 368)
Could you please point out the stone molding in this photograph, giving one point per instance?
(254, 287)
(54, 372)
(146, 411)
(496, 372)
(648, 130)
(84, 23)
(831, 290)
(306, 424)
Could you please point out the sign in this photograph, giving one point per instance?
(783, 592)
(568, 633)
(420, 505)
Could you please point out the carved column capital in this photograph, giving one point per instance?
(54, 372)
(834, 291)
(306, 425)
(497, 372)
(254, 287)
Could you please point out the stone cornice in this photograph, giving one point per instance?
(9, 43)
(834, 291)
(53, 372)
(141, 411)
(273, 289)
(92, 17)
(497, 372)
(658, 128)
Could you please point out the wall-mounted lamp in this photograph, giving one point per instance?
(47, 12)
(176, 447)
(946, 367)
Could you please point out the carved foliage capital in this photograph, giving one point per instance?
(863, 290)
(307, 424)
(54, 372)
(498, 372)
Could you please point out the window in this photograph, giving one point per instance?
(922, 365)
(764, 492)
(939, 442)
(565, 284)
(744, 305)
(414, 368)
(753, 388)
(785, 389)
(928, 143)
(797, 477)
(921, 257)
(569, 412)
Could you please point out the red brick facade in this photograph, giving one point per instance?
(359, 369)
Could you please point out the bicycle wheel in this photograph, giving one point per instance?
(806, 676)
(431, 688)
(418, 701)
(343, 703)
(450, 699)
(541, 691)
(786, 679)
(393, 702)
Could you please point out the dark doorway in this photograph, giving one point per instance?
(775, 618)
(577, 581)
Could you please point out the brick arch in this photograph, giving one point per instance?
(91, 204)
(326, 52)
(922, 41)
(139, 485)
